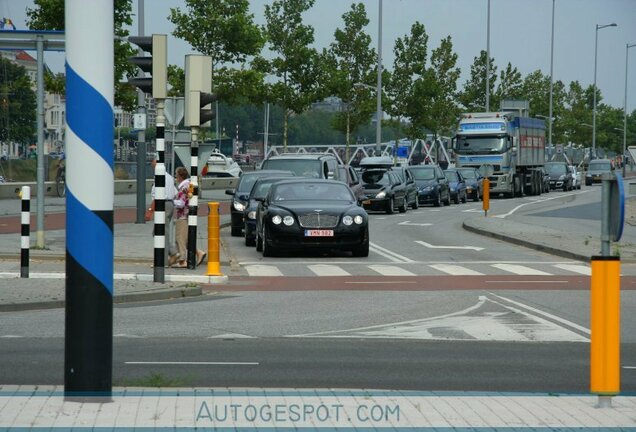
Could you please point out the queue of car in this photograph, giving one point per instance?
(311, 201)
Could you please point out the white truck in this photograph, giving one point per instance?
(508, 147)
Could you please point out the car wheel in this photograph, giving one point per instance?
(464, 198)
(476, 197)
(447, 200)
(438, 202)
(456, 198)
(390, 206)
(404, 206)
(416, 204)
(259, 243)
(268, 251)
(237, 231)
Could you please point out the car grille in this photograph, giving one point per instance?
(316, 220)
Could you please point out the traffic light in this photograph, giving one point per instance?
(198, 88)
(156, 65)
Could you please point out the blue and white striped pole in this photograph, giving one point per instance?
(88, 348)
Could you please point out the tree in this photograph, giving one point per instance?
(351, 62)
(442, 78)
(298, 67)
(409, 92)
(510, 86)
(176, 81)
(49, 15)
(473, 97)
(17, 104)
(536, 89)
(225, 31)
(576, 114)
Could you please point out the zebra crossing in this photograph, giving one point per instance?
(415, 269)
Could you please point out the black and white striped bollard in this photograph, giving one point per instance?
(160, 222)
(25, 216)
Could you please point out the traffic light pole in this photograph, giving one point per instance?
(193, 208)
(161, 231)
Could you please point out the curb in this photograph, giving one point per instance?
(537, 246)
(164, 294)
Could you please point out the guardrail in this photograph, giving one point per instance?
(12, 190)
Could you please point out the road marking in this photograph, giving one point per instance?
(11, 336)
(409, 223)
(545, 314)
(387, 270)
(475, 210)
(328, 270)
(428, 245)
(502, 216)
(520, 270)
(387, 254)
(576, 268)
(263, 270)
(195, 363)
(528, 281)
(456, 270)
(380, 282)
(231, 336)
(434, 210)
(629, 367)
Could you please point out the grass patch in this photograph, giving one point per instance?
(157, 380)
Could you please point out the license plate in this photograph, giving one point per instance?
(318, 233)
(366, 202)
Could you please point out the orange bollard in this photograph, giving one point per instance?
(214, 240)
(486, 203)
(605, 326)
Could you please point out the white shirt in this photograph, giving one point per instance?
(171, 190)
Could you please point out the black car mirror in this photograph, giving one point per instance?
(260, 199)
(229, 191)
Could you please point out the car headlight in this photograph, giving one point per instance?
(276, 220)
(562, 177)
(288, 220)
(347, 220)
(251, 215)
(238, 206)
(358, 219)
(427, 189)
(381, 195)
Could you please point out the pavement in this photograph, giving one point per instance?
(47, 407)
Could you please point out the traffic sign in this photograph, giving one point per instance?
(617, 207)
(139, 121)
(174, 110)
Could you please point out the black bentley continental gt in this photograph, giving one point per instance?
(305, 214)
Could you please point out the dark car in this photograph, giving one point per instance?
(312, 165)
(241, 193)
(457, 185)
(560, 175)
(383, 190)
(409, 184)
(349, 176)
(431, 184)
(474, 182)
(259, 190)
(311, 214)
(596, 169)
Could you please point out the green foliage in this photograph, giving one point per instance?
(298, 68)
(17, 104)
(510, 86)
(49, 15)
(350, 61)
(473, 97)
(442, 79)
(176, 81)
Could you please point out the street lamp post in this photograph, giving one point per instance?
(598, 27)
(627, 47)
(551, 76)
(378, 127)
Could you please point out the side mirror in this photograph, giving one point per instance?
(229, 192)
(260, 199)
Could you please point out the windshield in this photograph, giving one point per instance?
(400, 174)
(480, 144)
(247, 182)
(263, 186)
(469, 174)
(423, 173)
(600, 166)
(376, 177)
(312, 191)
(451, 176)
(300, 167)
(555, 168)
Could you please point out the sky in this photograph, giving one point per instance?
(520, 33)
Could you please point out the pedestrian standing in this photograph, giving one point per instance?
(171, 193)
(181, 219)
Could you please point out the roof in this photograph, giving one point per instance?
(301, 156)
(377, 162)
(24, 56)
